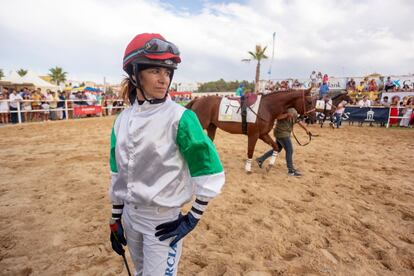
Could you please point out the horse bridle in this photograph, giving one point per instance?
(304, 113)
(304, 105)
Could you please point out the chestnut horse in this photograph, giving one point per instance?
(271, 106)
(337, 99)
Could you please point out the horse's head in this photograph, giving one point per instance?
(305, 105)
(348, 99)
(344, 96)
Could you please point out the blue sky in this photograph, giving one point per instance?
(88, 37)
(193, 6)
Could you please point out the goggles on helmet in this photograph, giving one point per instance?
(155, 46)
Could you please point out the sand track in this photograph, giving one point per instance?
(351, 214)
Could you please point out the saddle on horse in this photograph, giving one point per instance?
(322, 105)
(245, 101)
(249, 99)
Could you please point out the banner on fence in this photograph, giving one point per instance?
(87, 109)
(366, 114)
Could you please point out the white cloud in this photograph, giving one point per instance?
(87, 38)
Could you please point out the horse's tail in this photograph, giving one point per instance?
(190, 104)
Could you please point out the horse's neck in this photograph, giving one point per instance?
(284, 101)
(337, 100)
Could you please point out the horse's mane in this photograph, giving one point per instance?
(339, 95)
(283, 91)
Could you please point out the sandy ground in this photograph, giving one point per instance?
(352, 213)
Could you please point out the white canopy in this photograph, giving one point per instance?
(30, 78)
(13, 77)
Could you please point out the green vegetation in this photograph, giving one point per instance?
(223, 86)
(258, 55)
(57, 75)
(22, 72)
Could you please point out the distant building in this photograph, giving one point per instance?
(185, 87)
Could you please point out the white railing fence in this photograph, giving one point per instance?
(68, 108)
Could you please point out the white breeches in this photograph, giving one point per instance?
(151, 257)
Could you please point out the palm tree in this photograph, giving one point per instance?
(57, 75)
(22, 72)
(1, 74)
(258, 55)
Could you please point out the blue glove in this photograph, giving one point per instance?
(117, 236)
(117, 231)
(178, 228)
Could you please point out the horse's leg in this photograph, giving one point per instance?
(323, 120)
(268, 140)
(331, 124)
(211, 131)
(252, 140)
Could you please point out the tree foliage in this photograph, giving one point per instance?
(223, 86)
(57, 75)
(258, 55)
(22, 72)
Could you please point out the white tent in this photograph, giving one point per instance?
(14, 78)
(32, 77)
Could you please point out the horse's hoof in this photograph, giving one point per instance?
(249, 172)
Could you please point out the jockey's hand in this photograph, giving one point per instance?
(178, 228)
(117, 236)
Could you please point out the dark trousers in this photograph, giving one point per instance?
(286, 144)
(13, 115)
(338, 119)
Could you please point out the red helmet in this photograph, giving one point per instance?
(150, 49)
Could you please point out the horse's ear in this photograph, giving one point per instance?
(308, 91)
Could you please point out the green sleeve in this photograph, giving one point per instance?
(196, 147)
(112, 158)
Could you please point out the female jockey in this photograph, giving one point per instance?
(160, 157)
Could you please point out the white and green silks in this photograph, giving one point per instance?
(160, 156)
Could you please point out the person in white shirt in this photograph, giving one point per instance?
(15, 100)
(314, 79)
(4, 107)
(407, 113)
(91, 98)
(364, 102)
(385, 102)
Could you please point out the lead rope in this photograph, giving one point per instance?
(297, 140)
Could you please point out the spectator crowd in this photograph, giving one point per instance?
(35, 106)
(367, 93)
